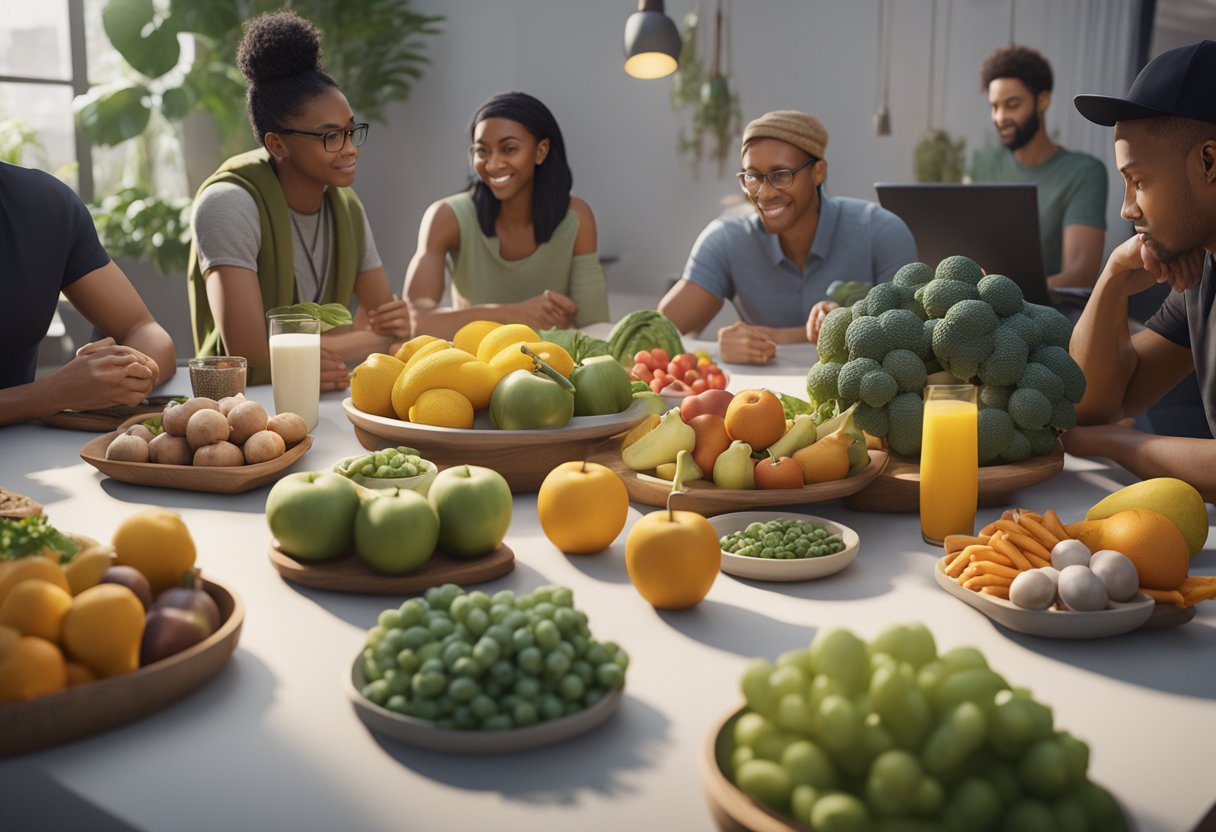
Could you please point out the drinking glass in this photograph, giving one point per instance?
(295, 364)
(949, 462)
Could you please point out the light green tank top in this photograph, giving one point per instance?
(481, 275)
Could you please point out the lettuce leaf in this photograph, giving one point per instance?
(579, 345)
(331, 315)
(793, 406)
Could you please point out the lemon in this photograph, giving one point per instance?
(444, 408)
(413, 345)
(425, 350)
(469, 336)
(511, 358)
(504, 336)
(449, 368)
(157, 543)
(371, 384)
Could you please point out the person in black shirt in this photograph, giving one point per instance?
(1165, 147)
(48, 245)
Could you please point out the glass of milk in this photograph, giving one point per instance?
(295, 364)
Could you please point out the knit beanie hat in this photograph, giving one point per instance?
(799, 129)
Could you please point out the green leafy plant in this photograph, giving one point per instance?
(17, 138)
(331, 315)
(714, 111)
(938, 158)
(32, 536)
(374, 47)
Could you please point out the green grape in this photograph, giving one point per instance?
(597, 654)
(891, 787)
(377, 691)
(566, 620)
(808, 765)
(527, 688)
(978, 685)
(547, 635)
(504, 596)
(910, 643)
(428, 685)
(593, 695)
(873, 741)
(463, 719)
(486, 651)
(785, 680)
(522, 639)
(794, 714)
(954, 740)
(460, 608)
(462, 689)
(571, 687)
(1101, 809)
(579, 642)
(397, 703)
(455, 650)
(904, 710)
(499, 613)
(837, 724)
(739, 755)
(1076, 756)
(371, 670)
(1029, 814)
(441, 627)
(399, 683)
(483, 706)
(1069, 813)
(531, 660)
(515, 620)
(1017, 722)
(525, 714)
(544, 610)
(842, 656)
(930, 676)
(802, 800)
(497, 722)
(503, 672)
(584, 671)
(562, 597)
(390, 620)
(839, 812)
(928, 798)
(972, 804)
(501, 634)
(477, 621)
(567, 648)
(752, 729)
(756, 688)
(429, 651)
(1044, 770)
(610, 675)
(466, 666)
(557, 664)
(1003, 779)
(765, 782)
(799, 658)
(551, 706)
(823, 686)
(962, 658)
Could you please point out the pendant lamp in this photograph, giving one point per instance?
(652, 42)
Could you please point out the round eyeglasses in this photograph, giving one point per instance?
(751, 181)
(335, 140)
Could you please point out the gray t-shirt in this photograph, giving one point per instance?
(228, 232)
(736, 259)
(1186, 318)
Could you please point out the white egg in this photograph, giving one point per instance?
(1069, 553)
(1052, 573)
(1117, 573)
(1081, 590)
(1032, 590)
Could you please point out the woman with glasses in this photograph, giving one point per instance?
(280, 224)
(520, 248)
(775, 264)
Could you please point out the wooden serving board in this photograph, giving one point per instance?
(215, 480)
(106, 419)
(898, 487)
(91, 708)
(350, 574)
(707, 499)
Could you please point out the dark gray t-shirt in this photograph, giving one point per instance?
(1186, 319)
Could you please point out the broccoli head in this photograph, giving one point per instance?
(1038, 377)
(878, 388)
(949, 344)
(995, 433)
(887, 296)
(940, 295)
(959, 269)
(861, 309)
(972, 318)
(925, 351)
(905, 415)
(995, 397)
(1054, 329)
(1060, 362)
(832, 346)
(903, 329)
(1019, 448)
(873, 420)
(1029, 408)
(1001, 293)
(913, 275)
(1063, 415)
(821, 382)
(865, 339)
(851, 374)
(1041, 441)
(907, 369)
(1008, 359)
(1023, 326)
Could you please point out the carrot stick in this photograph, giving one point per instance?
(1162, 596)
(1038, 532)
(987, 567)
(1036, 562)
(959, 542)
(1029, 545)
(957, 565)
(981, 581)
(1002, 545)
(1053, 524)
(977, 553)
(998, 591)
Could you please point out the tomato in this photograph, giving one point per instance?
(716, 381)
(660, 355)
(690, 376)
(661, 374)
(687, 358)
(699, 386)
(704, 362)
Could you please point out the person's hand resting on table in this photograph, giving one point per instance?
(742, 343)
(391, 318)
(335, 375)
(103, 374)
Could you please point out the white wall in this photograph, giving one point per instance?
(818, 56)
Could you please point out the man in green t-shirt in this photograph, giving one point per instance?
(1071, 185)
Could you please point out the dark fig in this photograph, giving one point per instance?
(190, 599)
(169, 631)
(132, 579)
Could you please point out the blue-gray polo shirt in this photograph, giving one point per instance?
(737, 260)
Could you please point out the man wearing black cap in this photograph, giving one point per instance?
(1165, 147)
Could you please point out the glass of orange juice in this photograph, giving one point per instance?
(949, 462)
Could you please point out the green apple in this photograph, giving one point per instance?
(396, 531)
(474, 508)
(312, 514)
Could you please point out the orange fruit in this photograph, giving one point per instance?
(756, 417)
(673, 558)
(36, 608)
(33, 667)
(712, 440)
(582, 507)
(13, 572)
(157, 543)
(103, 629)
(371, 384)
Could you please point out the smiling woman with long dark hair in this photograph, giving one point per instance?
(280, 224)
(521, 248)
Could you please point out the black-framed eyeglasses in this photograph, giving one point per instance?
(779, 179)
(335, 140)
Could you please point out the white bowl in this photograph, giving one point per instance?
(424, 734)
(772, 569)
(420, 483)
(1116, 619)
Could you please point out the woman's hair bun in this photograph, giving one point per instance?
(276, 45)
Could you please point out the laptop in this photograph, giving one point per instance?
(996, 225)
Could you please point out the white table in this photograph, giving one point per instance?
(272, 743)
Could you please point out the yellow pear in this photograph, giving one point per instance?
(1174, 498)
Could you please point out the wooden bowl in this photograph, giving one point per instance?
(424, 734)
(771, 569)
(707, 499)
(99, 706)
(350, 574)
(523, 457)
(106, 419)
(233, 480)
(898, 488)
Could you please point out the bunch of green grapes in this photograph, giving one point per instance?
(783, 539)
(474, 661)
(890, 736)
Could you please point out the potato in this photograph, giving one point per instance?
(227, 403)
(127, 448)
(177, 416)
(219, 455)
(290, 426)
(246, 419)
(264, 446)
(205, 427)
(142, 432)
(168, 449)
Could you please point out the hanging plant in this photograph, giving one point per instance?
(937, 157)
(714, 109)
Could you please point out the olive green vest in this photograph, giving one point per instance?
(276, 275)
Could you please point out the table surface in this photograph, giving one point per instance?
(272, 742)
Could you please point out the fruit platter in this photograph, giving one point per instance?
(833, 739)
(771, 546)
(1095, 578)
(479, 674)
(224, 447)
(496, 393)
(950, 325)
(95, 636)
(729, 452)
(331, 533)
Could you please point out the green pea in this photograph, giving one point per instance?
(610, 675)
(497, 722)
(397, 703)
(483, 706)
(462, 689)
(556, 665)
(530, 660)
(571, 687)
(525, 713)
(376, 691)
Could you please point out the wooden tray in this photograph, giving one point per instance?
(349, 574)
(523, 457)
(423, 734)
(898, 489)
(734, 811)
(99, 706)
(187, 477)
(705, 498)
(106, 419)
(16, 506)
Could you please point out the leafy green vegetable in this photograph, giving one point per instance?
(793, 406)
(155, 425)
(642, 387)
(579, 345)
(331, 315)
(31, 536)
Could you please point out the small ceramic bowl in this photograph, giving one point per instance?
(420, 483)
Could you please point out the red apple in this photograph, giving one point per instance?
(711, 401)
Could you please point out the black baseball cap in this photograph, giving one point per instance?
(1180, 82)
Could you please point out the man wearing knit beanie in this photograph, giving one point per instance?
(775, 264)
